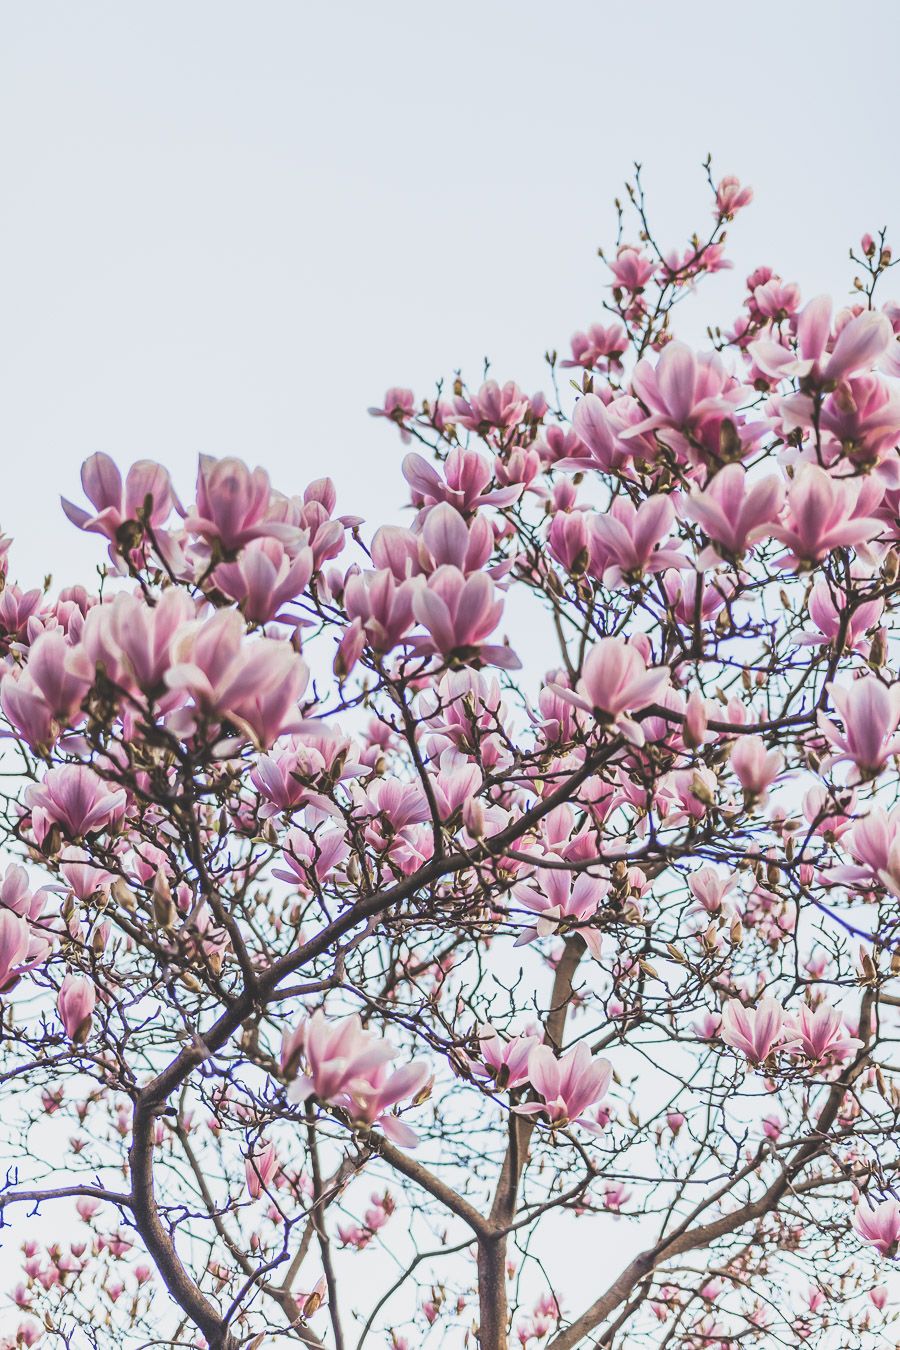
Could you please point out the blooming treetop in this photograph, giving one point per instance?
(344, 958)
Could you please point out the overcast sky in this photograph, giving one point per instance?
(228, 227)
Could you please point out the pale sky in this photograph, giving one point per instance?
(229, 227)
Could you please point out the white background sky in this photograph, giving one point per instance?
(229, 227)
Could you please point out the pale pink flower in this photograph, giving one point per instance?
(755, 767)
(556, 895)
(732, 512)
(821, 1035)
(75, 1004)
(879, 1224)
(505, 1062)
(755, 1032)
(73, 797)
(825, 513)
(256, 683)
(629, 541)
(260, 1168)
(615, 681)
(113, 503)
(567, 1085)
(870, 712)
(459, 613)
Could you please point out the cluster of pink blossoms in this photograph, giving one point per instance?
(301, 840)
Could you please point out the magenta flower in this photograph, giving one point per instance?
(113, 503)
(821, 1035)
(74, 798)
(756, 1032)
(505, 1062)
(825, 513)
(879, 1224)
(870, 712)
(567, 1086)
(615, 681)
(733, 514)
(75, 1004)
(459, 613)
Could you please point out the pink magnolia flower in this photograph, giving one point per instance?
(631, 268)
(75, 1004)
(879, 1224)
(347, 1067)
(255, 684)
(73, 797)
(132, 640)
(556, 895)
(399, 406)
(382, 607)
(114, 504)
(858, 347)
(264, 578)
(870, 712)
(756, 1032)
(829, 617)
(755, 767)
(15, 940)
(233, 506)
(459, 612)
(336, 1053)
(260, 1169)
(732, 196)
(689, 396)
(492, 406)
(821, 1035)
(600, 435)
(825, 513)
(633, 540)
(466, 478)
(615, 681)
(733, 514)
(598, 348)
(450, 539)
(505, 1062)
(710, 887)
(567, 1085)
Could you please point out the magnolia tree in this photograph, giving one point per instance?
(361, 989)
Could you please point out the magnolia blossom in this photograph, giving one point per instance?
(557, 895)
(347, 1067)
(615, 681)
(567, 1085)
(76, 1002)
(756, 1032)
(870, 712)
(879, 1224)
(821, 1035)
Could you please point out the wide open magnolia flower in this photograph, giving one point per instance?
(879, 1224)
(870, 712)
(567, 1085)
(562, 899)
(614, 682)
(347, 1067)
